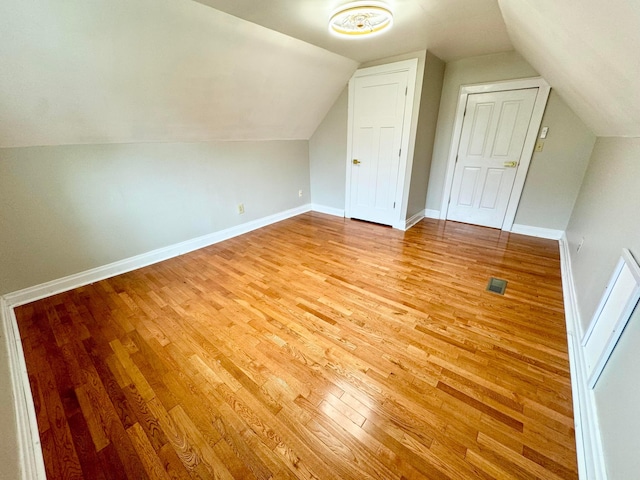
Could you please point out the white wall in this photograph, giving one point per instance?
(67, 209)
(606, 216)
(588, 50)
(555, 174)
(327, 156)
(486, 68)
(425, 134)
(328, 145)
(132, 71)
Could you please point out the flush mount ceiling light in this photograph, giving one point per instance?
(361, 19)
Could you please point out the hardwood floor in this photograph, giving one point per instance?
(314, 348)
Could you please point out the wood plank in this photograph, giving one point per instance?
(313, 348)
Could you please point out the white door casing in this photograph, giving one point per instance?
(378, 114)
(494, 129)
(543, 90)
(380, 110)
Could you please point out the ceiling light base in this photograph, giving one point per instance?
(361, 19)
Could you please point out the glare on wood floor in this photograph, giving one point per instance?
(318, 347)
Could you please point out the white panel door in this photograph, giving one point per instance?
(494, 130)
(378, 113)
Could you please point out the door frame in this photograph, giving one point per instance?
(529, 144)
(410, 66)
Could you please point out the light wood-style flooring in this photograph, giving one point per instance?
(316, 348)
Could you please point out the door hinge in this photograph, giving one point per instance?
(406, 89)
(456, 158)
(394, 204)
(400, 152)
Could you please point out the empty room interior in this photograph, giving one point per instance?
(319, 240)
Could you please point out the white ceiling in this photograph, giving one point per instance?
(124, 71)
(450, 29)
(589, 51)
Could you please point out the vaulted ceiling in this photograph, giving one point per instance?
(122, 71)
(450, 29)
(589, 51)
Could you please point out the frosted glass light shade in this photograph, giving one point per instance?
(361, 19)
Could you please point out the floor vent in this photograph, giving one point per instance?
(497, 285)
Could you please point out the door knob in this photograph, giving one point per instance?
(511, 164)
(356, 161)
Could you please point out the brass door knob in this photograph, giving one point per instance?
(511, 164)
(356, 161)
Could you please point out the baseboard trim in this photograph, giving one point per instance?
(31, 463)
(410, 222)
(30, 459)
(537, 231)
(569, 290)
(76, 280)
(591, 464)
(336, 212)
(430, 213)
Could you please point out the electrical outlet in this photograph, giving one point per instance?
(299, 193)
(241, 208)
(580, 245)
(539, 146)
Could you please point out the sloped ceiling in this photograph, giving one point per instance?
(589, 51)
(119, 71)
(125, 71)
(450, 29)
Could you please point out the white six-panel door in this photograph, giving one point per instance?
(378, 118)
(494, 130)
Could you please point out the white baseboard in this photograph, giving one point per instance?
(76, 280)
(430, 213)
(30, 460)
(591, 464)
(336, 212)
(537, 231)
(569, 290)
(410, 222)
(590, 458)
